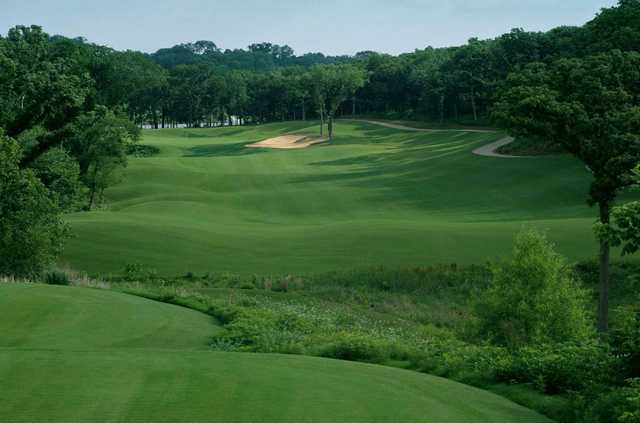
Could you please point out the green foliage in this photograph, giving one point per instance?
(57, 277)
(42, 88)
(332, 85)
(31, 230)
(530, 146)
(99, 142)
(589, 106)
(625, 339)
(558, 368)
(624, 230)
(533, 298)
(138, 272)
(60, 173)
(630, 410)
(139, 150)
(356, 347)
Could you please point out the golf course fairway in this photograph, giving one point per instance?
(72, 369)
(374, 196)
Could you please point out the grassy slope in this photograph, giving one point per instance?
(57, 362)
(376, 197)
(63, 318)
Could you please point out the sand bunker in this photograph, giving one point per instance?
(288, 142)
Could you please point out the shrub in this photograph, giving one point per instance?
(142, 150)
(137, 272)
(608, 404)
(533, 298)
(629, 410)
(356, 347)
(562, 367)
(624, 338)
(454, 359)
(57, 278)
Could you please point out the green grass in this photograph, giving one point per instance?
(65, 318)
(76, 355)
(376, 196)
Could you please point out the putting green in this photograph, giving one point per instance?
(75, 379)
(376, 196)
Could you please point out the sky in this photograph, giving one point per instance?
(332, 27)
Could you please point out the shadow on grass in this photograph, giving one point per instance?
(223, 150)
(438, 172)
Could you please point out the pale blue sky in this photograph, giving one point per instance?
(328, 26)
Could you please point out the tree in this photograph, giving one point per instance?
(39, 88)
(99, 144)
(470, 68)
(31, 230)
(616, 27)
(334, 84)
(591, 107)
(533, 298)
(624, 229)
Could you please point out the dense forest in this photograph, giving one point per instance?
(199, 84)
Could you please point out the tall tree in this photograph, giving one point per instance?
(31, 229)
(334, 84)
(590, 106)
(99, 142)
(39, 89)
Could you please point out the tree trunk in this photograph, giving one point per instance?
(353, 106)
(441, 108)
(603, 303)
(304, 111)
(331, 128)
(91, 197)
(321, 121)
(164, 113)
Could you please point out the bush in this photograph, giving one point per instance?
(608, 404)
(629, 410)
(356, 347)
(624, 338)
(57, 278)
(141, 150)
(137, 272)
(561, 368)
(533, 298)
